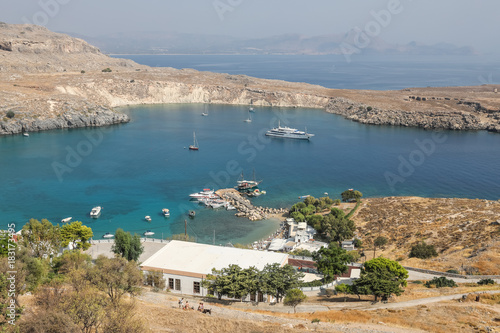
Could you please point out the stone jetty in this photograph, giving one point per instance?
(245, 207)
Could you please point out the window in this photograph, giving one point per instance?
(177, 284)
(196, 287)
(171, 283)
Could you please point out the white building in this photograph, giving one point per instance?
(184, 264)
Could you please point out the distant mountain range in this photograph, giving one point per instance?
(182, 43)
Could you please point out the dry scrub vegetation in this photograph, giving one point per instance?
(465, 232)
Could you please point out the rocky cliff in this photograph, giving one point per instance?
(50, 80)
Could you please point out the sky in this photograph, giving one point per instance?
(460, 22)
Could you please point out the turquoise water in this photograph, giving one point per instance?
(136, 169)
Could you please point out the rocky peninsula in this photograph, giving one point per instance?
(50, 81)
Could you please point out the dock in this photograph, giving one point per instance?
(245, 207)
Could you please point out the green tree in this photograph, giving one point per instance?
(76, 234)
(277, 280)
(337, 229)
(440, 282)
(294, 297)
(344, 289)
(381, 277)
(351, 195)
(232, 281)
(4, 244)
(116, 277)
(127, 246)
(70, 261)
(337, 213)
(86, 308)
(297, 207)
(423, 251)
(311, 201)
(10, 114)
(358, 243)
(42, 239)
(380, 241)
(332, 261)
(156, 280)
(309, 210)
(302, 252)
(37, 271)
(315, 221)
(298, 216)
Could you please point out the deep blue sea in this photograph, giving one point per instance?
(136, 169)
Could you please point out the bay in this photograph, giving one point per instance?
(136, 169)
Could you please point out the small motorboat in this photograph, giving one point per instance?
(192, 213)
(108, 235)
(147, 218)
(66, 220)
(26, 134)
(230, 207)
(165, 212)
(149, 233)
(95, 212)
(251, 110)
(304, 196)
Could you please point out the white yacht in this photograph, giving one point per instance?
(149, 233)
(166, 212)
(147, 218)
(66, 220)
(289, 133)
(95, 212)
(108, 235)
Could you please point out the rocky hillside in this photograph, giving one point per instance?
(50, 80)
(465, 232)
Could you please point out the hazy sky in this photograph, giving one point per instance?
(461, 22)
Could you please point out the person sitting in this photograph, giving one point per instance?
(200, 307)
(186, 307)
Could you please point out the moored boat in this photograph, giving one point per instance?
(149, 233)
(147, 218)
(66, 220)
(289, 133)
(244, 184)
(194, 146)
(95, 212)
(192, 213)
(166, 212)
(108, 235)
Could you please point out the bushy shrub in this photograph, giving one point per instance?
(10, 114)
(453, 271)
(423, 251)
(107, 70)
(417, 282)
(485, 282)
(440, 282)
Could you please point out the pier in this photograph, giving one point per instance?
(245, 207)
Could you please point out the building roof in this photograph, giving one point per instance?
(277, 244)
(199, 259)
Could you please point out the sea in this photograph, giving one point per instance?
(136, 169)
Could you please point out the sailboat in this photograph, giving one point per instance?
(243, 184)
(194, 146)
(249, 120)
(205, 113)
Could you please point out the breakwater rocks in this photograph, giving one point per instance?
(450, 120)
(70, 119)
(245, 207)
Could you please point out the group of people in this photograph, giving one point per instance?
(185, 305)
